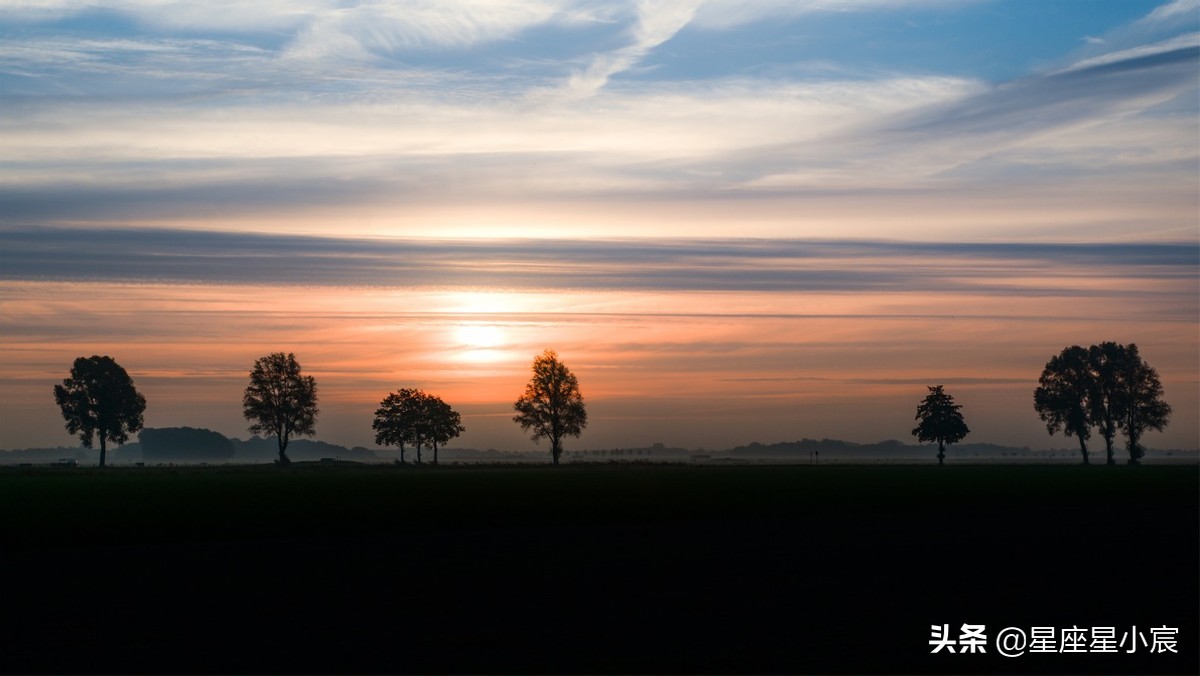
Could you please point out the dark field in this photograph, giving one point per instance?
(618, 568)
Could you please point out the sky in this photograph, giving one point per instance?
(734, 221)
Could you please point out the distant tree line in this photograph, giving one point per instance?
(1107, 386)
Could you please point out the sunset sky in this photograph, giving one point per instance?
(734, 221)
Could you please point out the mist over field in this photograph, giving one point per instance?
(806, 451)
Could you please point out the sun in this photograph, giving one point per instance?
(479, 336)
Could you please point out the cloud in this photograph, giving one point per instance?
(1173, 10)
(656, 22)
(1097, 101)
(138, 255)
(427, 110)
(386, 28)
(1144, 55)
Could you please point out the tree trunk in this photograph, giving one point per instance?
(283, 459)
(1135, 448)
(1108, 446)
(435, 452)
(102, 449)
(401, 454)
(418, 454)
(1083, 449)
(555, 449)
(941, 452)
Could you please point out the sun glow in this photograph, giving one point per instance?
(480, 336)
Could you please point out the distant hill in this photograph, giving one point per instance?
(266, 449)
(184, 444)
(166, 445)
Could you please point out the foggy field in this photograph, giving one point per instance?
(598, 568)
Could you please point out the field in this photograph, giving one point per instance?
(601, 568)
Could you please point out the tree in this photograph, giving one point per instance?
(1064, 395)
(410, 416)
(552, 405)
(1107, 408)
(280, 401)
(941, 420)
(394, 420)
(99, 399)
(444, 423)
(1140, 393)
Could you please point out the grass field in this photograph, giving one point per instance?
(601, 568)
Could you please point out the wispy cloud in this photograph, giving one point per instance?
(656, 22)
(242, 111)
(1180, 47)
(701, 265)
(1175, 9)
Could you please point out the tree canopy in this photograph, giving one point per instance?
(410, 416)
(940, 420)
(280, 401)
(1065, 393)
(552, 405)
(1141, 401)
(1107, 404)
(98, 398)
(1107, 386)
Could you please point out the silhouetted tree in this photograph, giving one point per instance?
(1063, 398)
(395, 420)
(444, 423)
(941, 421)
(410, 416)
(280, 401)
(99, 399)
(1107, 408)
(552, 405)
(1141, 401)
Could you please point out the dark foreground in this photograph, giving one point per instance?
(642, 569)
